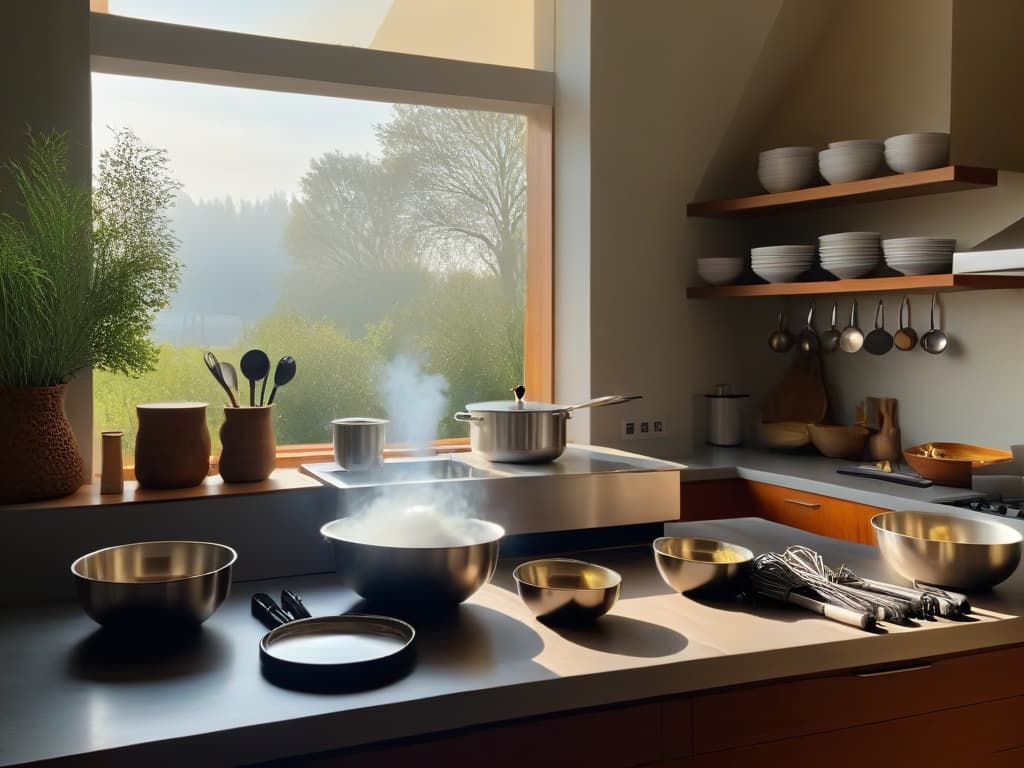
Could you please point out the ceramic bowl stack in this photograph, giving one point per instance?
(720, 271)
(781, 263)
(850, 254)
(787, 168)
(917, 151)
(852, 160)
(919, 255)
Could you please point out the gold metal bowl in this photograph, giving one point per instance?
(560, 590)
(690, 564)
(181, 582)
(946, 550)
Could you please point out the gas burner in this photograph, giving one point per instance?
(993, 505)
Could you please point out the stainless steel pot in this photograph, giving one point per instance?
(522, 431)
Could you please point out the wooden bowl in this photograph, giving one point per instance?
(838, 442)
(952, 463)
(783, 434)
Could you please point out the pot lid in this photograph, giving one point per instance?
(518, 404)
(505, 406)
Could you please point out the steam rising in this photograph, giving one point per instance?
(416, 401)
(415, 516)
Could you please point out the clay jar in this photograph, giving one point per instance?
(248, 450)
(172, 448)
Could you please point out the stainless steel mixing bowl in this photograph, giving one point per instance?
(561, 590)
(690, 564)
(175, 581)
(429, 576)
(946, 550)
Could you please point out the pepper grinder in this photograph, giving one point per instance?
(112, 476)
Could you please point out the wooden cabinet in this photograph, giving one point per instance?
(806, 511)
(824, 515)
(956, 710)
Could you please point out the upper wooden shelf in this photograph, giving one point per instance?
(952, 178)
(975, 282)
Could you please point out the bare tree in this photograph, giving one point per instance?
(467, 186)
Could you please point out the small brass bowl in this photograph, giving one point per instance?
(564, 591)
(175, 582)
(690, 565)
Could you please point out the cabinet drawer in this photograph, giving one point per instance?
(976, 735)
(807, 511)
(783, 710)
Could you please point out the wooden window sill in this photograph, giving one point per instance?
(285, 479)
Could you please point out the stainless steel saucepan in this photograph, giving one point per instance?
(522, 431)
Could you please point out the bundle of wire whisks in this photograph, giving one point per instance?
(800, 575)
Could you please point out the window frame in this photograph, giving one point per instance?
(123, 45)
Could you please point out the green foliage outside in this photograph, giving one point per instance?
(419, 252)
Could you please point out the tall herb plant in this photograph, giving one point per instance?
(82, 274)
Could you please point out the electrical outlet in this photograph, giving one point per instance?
(643, 428)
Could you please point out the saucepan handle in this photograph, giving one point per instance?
(466, 416)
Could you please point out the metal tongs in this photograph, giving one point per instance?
(272, 615)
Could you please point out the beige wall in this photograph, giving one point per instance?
(468, 30)
(44, 79)
(666, 106)
(673, 120)
(970, 392)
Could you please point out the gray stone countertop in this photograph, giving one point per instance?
(813, 474)
(73, 695)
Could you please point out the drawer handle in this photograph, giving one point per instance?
(808, 504)
(896, 670)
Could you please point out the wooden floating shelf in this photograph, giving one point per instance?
(908, 283)
(952, 178)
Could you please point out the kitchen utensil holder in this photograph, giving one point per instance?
(248, 452)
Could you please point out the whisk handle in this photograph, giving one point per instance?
(834, 612)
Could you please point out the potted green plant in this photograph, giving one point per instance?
(82, 274)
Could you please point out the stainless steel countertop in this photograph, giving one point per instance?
(69, 692)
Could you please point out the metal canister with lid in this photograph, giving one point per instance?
(725, 416)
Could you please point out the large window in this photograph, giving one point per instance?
(385, 244)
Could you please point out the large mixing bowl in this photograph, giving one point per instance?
(946, 550)
(180, 582)
(417, 576)
(564, 591)
(700, 565)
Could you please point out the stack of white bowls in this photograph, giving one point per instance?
(720, 271)
(919, 255)
(781, 263)
(787, 168)
(917, 151)
(851, 160)
(850, 254)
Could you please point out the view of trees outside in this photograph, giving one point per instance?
(415, 248)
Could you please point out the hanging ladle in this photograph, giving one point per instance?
(808, 339)
(934, 340)
(852, 338)
(781, 340)
(906, 337)
(879, 341)
(830, 338)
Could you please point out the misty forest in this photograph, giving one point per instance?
(417, 254)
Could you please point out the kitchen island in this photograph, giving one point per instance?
(75, 696)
